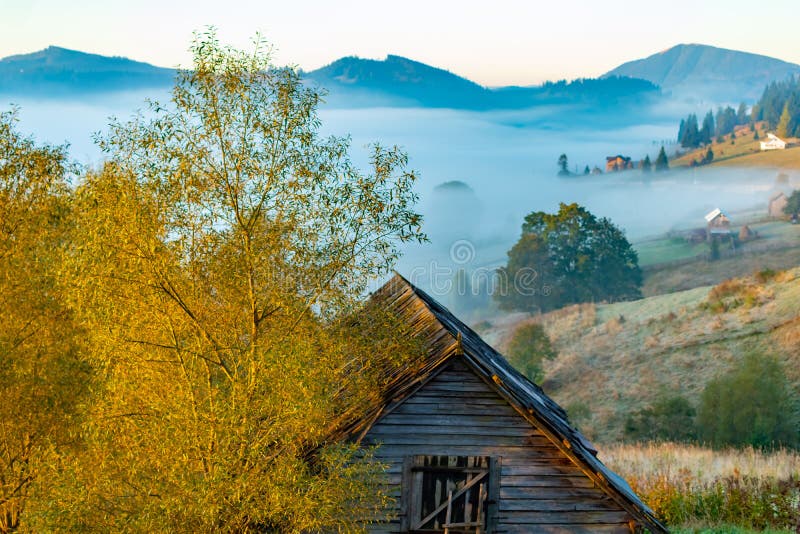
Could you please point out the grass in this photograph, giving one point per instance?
(663, 250)
(672, 460)
(701, 273)
(667, 249)
(615, 359)
(695, 489)
(745, 152)
(781, 159)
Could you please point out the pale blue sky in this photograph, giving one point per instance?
(495, 43)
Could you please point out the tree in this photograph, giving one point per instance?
(709, 157)
(751, 405)
(42, 379)
(225, 245)
(662, 164)
(784, 128)
(726, 120)
(563, 165)
(691, 133)
(707, 131)
(586, 170)
(669, 418)
(647, 166)
(741, 114)
(529, 348)
(792, 207)
(565, 258)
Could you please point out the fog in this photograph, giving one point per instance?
(508, 159)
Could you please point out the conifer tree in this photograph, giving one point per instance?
(662, 163)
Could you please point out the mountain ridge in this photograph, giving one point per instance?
(349, 82)
(58, 71)
(708, 70)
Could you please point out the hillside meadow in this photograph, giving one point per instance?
(615, 359)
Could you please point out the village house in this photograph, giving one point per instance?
(773, 142)
(618, 163)
(717, 224)
(472, 446)
(777, 202)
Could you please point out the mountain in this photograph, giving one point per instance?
(350, 82)
(57, 71)
(708, 72)
(398, 81)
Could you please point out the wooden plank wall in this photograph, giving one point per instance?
(541, 490)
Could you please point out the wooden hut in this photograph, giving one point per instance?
(717, 224)
(777, 202)
(473, 446)
(618, 163)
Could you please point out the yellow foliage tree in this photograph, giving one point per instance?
(223, 249)
(40, 375)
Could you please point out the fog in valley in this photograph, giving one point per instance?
(508, 160)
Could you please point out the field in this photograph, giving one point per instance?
(744, 152)
(680, 482)
(770, 234)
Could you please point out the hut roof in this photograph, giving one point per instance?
(710, 216)
(445, 337)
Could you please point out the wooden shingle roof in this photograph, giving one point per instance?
(445, 337)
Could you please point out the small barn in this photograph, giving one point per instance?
(472, 446)
(618, 163)
(777, 202)
(773, 142)
(717, 224)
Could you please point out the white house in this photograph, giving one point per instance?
(773, 143)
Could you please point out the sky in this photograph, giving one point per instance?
(503, 42)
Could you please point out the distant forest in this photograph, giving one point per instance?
(779, 107)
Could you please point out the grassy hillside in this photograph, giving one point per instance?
(744, 151)
(617, 358)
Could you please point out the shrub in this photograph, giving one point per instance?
(765, 275)
(735, 293)
(751, 405)
(744, 501)
(669, 418)
(529, 347)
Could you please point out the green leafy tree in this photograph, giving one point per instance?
(224, 247)
(792, 206)
(669, 418)
(751, 405)
(42, 378)
(662, 163)
(528, 350)
(568, 257)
